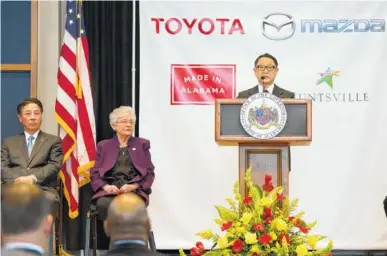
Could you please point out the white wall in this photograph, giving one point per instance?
(49, 40)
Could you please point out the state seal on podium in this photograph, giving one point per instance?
(263, 116)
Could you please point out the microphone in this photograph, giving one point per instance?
(263, 85)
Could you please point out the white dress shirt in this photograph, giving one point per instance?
(25, 246)
(270, 88)
(33, 143)
(35, 137)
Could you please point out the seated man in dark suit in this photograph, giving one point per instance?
(128, 226)
(266, 69)
(32, 156)
(26, 221)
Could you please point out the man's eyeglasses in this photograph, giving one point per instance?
(131, 122)
(262, 68)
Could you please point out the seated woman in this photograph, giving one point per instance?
(123, 164)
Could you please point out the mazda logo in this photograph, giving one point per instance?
(278, 26)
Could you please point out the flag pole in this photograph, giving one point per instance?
(134, 58)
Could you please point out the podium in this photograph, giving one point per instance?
(264, 155)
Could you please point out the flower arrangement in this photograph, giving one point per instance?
(262, 224)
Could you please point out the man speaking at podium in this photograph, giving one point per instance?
(266, 69)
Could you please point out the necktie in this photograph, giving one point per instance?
(29, 144)
(266, 91)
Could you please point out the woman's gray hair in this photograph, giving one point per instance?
(121, 112)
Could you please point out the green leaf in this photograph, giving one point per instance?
(273, 194)
(181, 252)
(311, 225)
(219, 221)
(226, 214)
(211, 253)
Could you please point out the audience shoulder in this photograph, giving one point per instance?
(51, 136)
(6, 140)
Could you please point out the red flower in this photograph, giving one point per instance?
(280, 196)
(247, 200)
(268, 219)
(258, 227)
(226, 225)
(265, 239)
(200, 246)
(268, 187)
(267, 213)
(286, 236)
(291, 218)
(303, 229)
(268, 178)
(195, 251)
(237, 246)
(297, 222)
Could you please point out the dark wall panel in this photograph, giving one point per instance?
(15, 32)
(15, 86)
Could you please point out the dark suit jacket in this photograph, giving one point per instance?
(277, 91)
(107, 153)
(45, 160)
(131, 249)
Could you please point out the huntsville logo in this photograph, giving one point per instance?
(327, 78)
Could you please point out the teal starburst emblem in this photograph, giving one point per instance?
(327, 77)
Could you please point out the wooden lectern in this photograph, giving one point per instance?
(264, 156)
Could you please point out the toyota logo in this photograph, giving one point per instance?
(278, 26)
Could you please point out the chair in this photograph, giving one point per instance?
(92, 217)
(56, 236)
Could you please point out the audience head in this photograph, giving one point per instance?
(25, 214)
(127, 218)
(30, 114)
(123, 120)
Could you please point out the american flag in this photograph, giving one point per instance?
(74, 107)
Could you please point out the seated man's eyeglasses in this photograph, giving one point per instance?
(262, 68)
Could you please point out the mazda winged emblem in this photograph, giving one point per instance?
(288, 20)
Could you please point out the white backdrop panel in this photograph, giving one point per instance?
(340, 178)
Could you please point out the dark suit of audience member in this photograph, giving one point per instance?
(123, 164)
(128, 226)
(33, 156)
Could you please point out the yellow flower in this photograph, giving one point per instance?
(251, 238)
(246, 217)
(241, 230)
(265, 201)
(301, 250)
(254, 248)
(312, 241)
(222, 242)
(281, 225)
(273, 235)
(206, 234)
